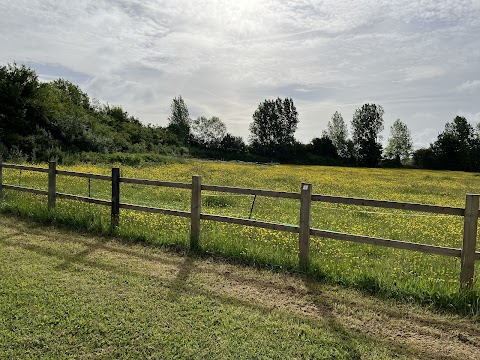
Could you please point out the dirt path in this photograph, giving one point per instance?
(419, 332)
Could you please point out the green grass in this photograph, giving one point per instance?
(65, 295)
(400, 274)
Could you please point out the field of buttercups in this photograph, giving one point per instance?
(395, 273)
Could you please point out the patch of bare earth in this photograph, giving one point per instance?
(422, 333)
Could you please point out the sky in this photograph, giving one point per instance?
(418, 59)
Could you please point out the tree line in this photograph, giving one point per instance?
(55, 120)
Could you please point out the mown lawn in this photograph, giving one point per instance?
(67, 295)
(429, 279)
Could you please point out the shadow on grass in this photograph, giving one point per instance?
(462, 302)
(187, 265)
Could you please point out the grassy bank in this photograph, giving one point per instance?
(394, 273)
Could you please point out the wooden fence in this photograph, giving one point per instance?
(467, 253)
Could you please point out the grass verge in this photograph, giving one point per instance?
(65, 295)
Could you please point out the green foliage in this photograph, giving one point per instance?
(273, 127)
(208, 133)
(456, 148)
(367, 123)
(57, 120)
(400, 143)
(232, 144)
(323, 146)
(179, 120)
(21, 115)
(337, 132)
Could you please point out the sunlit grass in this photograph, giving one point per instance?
(398, 273)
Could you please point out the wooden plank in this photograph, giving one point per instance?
(477, 255)
(469, 240)
(25, 167)
(25, 189)
(244, 191)
(171, 184)
(52, 184)
(84, 199)
(154, 210)
(84, 175)
(305, 217)
(195, 211)
(115, 205)
(248, 222)
(390, 204)
(428, 249)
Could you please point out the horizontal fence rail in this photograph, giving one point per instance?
(249, 222)
(397, 244)
(155, 210)
(83, 198)
(84, 175)
(390, 204)
(25, 167)
(243, 191)
(468, 253)
(170, 184)
(25, 189)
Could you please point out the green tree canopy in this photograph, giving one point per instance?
(337, 132)
(208, 132)
(367, 123)
(399, 145)
(232, 144)
(22, 116)
(274, 125)
(323, 147)
(454, 146)
(40, 121)
(179, 121)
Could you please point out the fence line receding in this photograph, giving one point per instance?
(470, 213)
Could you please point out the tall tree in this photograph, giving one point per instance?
(367, 123)
(179, 120)
(399, 145)
(274, 125)
(337, 132)
(208, 132)
(22, 117)
(453, 147)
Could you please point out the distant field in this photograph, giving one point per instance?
(398, 273)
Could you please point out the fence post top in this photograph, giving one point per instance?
(306, 186)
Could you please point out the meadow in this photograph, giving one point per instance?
(402, 274)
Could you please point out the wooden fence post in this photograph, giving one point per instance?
(115, 198)
(1, 177)
(196, 209)
(52, 184)
(305, 217)
(470, 226)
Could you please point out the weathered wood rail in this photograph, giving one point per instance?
(470, 213)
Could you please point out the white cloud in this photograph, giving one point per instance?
(469, 86)
(226, 56)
